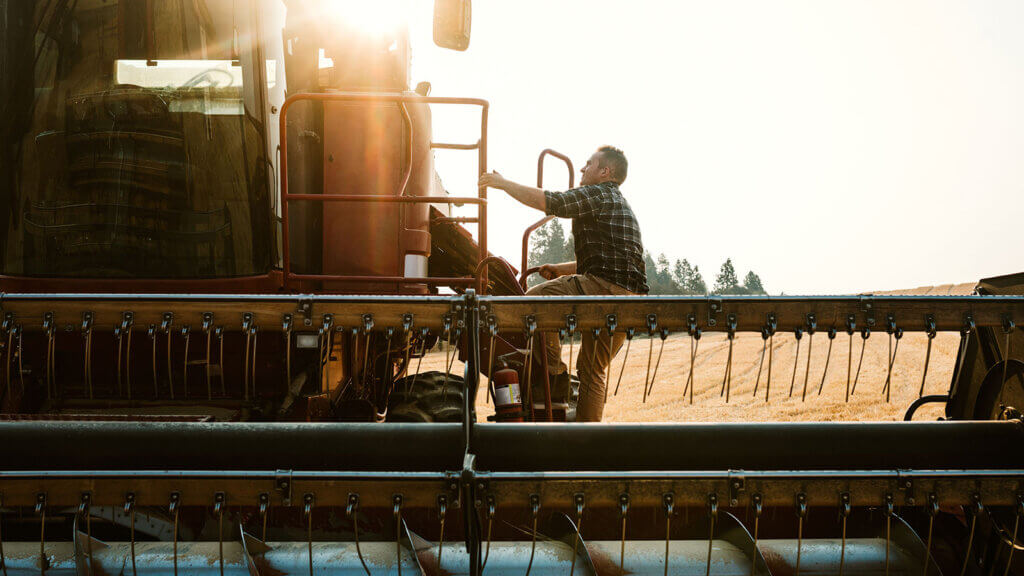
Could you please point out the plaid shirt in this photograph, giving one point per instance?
(605, 232)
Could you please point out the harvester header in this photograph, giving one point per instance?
(226, 257)
(473, 497)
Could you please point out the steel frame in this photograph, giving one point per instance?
(991, 478)
(548, 313)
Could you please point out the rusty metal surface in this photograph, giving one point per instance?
(227, 310)
(820, 489)
(374, 490)
(511, 313)
(751, 313)
(268, 283)
(421, 490)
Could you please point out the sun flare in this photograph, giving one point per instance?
(379, 17)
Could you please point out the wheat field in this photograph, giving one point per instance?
(825, 398)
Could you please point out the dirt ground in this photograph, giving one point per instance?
(667, 403)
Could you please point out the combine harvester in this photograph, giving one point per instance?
(225, 253)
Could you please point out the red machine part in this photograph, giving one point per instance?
(376, 149)
(540, 184)
(508, 401)
(375, 174)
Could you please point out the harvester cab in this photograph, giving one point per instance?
(225, 256)
(253, 146)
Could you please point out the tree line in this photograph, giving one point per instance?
(550, 244)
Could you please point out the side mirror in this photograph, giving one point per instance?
(452, 22)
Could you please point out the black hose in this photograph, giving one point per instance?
(921, 402)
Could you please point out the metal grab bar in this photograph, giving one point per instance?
(546, 219)
(480, 200)
(444, 146)
(479, 274)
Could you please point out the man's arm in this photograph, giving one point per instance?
(552, 271)
(528, 195)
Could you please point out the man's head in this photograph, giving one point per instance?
(608, 164)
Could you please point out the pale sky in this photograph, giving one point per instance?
(832, 147)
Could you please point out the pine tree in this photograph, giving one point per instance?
(660, 277)
(688, 278)
(652, 272)
(539, 242)
(654, 282)
(681, 273)
(696, 283)
(668, 286)
(566, 251)
(549, 245)
(726, 282)
(562, 249)
(752, 283)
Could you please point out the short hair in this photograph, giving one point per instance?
(613, 158)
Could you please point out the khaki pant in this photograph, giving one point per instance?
(594, 357)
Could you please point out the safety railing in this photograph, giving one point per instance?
(524, 271)
(399, 198)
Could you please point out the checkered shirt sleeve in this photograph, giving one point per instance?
(579, 202)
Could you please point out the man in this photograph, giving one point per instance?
(609, 260)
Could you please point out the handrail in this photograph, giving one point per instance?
(378, 199)
(478, 273)
(527, 273)
(480, 200)
(546, 219)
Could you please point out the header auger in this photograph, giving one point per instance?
(856, 514)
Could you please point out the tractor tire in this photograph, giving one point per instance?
(427, 398)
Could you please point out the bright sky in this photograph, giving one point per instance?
(832, 147)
